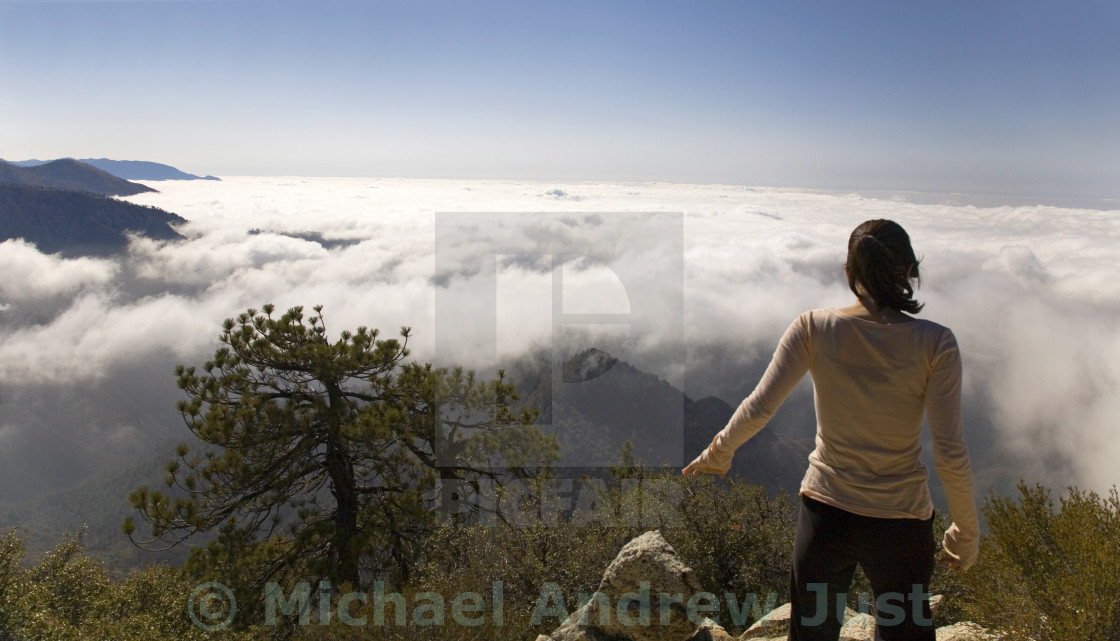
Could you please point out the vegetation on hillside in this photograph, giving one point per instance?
(68, 595)
(1047, 573)
(76, 222)
(733, 535)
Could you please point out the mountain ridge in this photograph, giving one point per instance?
(78, 223)
(128, 169)
(71, 175)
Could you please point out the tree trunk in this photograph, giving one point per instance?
(340, 467)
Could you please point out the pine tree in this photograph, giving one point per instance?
(323, 458)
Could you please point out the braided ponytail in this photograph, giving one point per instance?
(881, 265)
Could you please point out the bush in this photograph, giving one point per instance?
(1046, 574)
(737, 540)
(68, 595)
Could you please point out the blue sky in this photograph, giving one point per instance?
(1013, 97)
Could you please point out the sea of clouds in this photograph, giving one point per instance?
(1031, 293)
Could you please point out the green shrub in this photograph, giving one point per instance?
(738, 540)
(13, 582)
(1046, 574)
(68, 596)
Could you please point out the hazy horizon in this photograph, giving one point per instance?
(976, 199)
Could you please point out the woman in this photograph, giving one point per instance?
(864, 499)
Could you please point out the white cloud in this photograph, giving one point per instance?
(96, 334)
(30, 275)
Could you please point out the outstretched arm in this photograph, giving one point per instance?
(786, 369)
(951, 461)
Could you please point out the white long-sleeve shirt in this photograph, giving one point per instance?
(872, 384)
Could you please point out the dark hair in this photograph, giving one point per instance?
(880, 258)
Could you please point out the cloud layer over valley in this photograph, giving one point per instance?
(1031, 292)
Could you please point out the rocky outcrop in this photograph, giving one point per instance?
(642, 596)
(648, 594)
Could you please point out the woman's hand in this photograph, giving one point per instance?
(950, 562)
(701, 464)
(959, 551)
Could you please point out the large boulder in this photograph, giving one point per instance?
(644, 596)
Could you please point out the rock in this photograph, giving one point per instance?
(644, 569)
(935, 604)
(776, 623)
(710, 631)
(857, 627)
(966, 631)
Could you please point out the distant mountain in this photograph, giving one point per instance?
(143, 170)
(76, 222)
(602, 402)
(130, 169)
(100, 504)
(70, 174)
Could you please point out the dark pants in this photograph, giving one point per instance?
(897, 555)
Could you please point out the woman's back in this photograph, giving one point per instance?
(871, 382)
